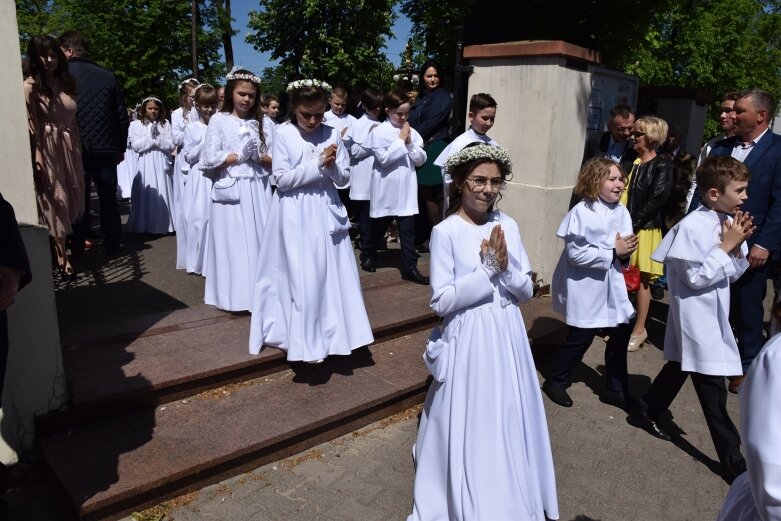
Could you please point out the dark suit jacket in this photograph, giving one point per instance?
(12, 252)
(764, 188)
(596, 146)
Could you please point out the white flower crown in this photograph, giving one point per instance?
(151, 98)
(189, 81)
(308, 83)
(473, 153)
(243, 76)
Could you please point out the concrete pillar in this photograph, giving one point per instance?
(542, 89)
(35, 380)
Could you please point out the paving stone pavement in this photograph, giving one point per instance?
(606, 470)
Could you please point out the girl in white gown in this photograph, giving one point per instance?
(240, 196)
(196, 199)
(308, 298)
(152, 193)
(181, 118)
(482, 451)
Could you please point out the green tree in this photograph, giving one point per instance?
(715, 45)
(340, 42)
(433, 28)
(146, 43)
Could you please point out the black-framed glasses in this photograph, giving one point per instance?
(478, 183)
(636, 133)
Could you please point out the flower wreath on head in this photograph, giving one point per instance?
(189, 81)
(200, 86)
(298, 84)
(245, 76)
(473, 153)
(150, 98)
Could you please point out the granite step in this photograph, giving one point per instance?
(111, 467)
(146, 361)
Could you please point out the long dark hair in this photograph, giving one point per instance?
(254, 111)
(428, 64)
(39, 47)
(462, 171)
(305, 95)
(227, 104)
(142, 111)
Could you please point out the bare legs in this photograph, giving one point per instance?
(643, 305)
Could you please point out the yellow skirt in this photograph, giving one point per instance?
(648, 241)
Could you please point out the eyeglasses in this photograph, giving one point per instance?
(478, 183)
(637, 133)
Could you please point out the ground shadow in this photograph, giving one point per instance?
(319, 374)
(110, 412)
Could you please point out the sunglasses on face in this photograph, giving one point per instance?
(637, 134)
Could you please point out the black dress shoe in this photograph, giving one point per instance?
(368, 265)
(730, 473)
(641, 420)
(558, 395)
(414, 276)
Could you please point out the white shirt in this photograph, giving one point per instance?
(338, 121)
(394, 189)
(361, 158)
(742, 150)
(699, 274)
(588, 285)
(756, 494)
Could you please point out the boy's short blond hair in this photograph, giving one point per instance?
(717, 172)
(592, 175)
(655, 129)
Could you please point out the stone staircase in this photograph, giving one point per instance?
(165, 404)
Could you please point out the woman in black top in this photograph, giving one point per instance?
(431, 118)
(648, 187)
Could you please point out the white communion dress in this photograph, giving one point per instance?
(152, 192)
(483, 450)
(241, 198)
(308, 298)
(196, 201)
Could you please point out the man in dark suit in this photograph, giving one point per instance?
(614, 144)
(14, 275)
(760, 150)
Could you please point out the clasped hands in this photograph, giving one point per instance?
(625, 246)
(328, 156)
(734, 233)
(495, 246)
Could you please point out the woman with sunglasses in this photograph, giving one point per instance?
(648, 187)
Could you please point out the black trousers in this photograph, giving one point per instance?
(712, 394)
(409, 259)
(578, 341)
(102, 170)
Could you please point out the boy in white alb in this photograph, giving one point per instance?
(703, 254)
(338, 117)
(398, 150)
(361, 165)
(482, 115)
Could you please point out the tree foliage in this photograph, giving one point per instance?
(146, 43)
(433, 28)
(338, 41)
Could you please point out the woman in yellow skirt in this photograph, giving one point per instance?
(648, 187)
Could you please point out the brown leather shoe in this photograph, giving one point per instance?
(734, 383)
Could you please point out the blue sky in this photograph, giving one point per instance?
(245, 55)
